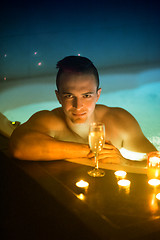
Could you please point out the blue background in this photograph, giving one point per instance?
(118, 36)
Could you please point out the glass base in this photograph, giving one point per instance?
(96, 173)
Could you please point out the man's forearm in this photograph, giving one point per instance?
(40, 147)
(135, 163)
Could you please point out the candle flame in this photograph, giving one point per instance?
(120, 173)
(82, 184)
(124, 183)
(154, 182)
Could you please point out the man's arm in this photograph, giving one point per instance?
(30, 141)
(133, 137)
(112, 155)
(133, 142)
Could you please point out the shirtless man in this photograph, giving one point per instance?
(63, 132)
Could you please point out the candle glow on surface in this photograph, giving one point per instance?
(153, 173)
(154, 182)
(82, 184)
(120, 174)
(153, 203)
(81, 196)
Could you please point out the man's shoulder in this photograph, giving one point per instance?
(114, 114)
(46, 116)
(118, 112)
(47, 113)
(111, 111)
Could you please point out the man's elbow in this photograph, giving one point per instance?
(15, 149)
(16, 153)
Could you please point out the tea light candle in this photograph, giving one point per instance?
(124, 184)
(120, 174)
(154, 162)
(154, 182)
(154, 165)
(82, 184)
(154, 159)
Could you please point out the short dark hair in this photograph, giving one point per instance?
(76, 64)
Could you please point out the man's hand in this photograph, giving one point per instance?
(109, 154)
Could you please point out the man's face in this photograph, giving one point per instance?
(78, 96)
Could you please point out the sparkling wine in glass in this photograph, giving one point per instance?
(96, 142)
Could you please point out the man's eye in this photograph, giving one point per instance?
(87, 96)
(68, 96)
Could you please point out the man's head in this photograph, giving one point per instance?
(78, 65)
(78, 88)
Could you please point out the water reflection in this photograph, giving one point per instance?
(153, 203)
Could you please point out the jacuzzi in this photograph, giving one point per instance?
(138, 93)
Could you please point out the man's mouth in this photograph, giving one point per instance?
(79, 114)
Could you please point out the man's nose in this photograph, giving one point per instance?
(77, 103)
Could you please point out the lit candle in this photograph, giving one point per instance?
(120, 174)
(124, 184)
(154, 159)
(154, 162)
(82, 184)
(154, 182)
(154, 165)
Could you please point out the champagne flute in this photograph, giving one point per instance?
(96, 142)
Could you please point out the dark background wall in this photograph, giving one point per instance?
(118, 36)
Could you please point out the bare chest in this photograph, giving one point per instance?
(68, 135)
(113, 136)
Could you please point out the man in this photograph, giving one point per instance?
(63, 132)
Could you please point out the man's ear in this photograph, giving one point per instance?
(58, 96)
(98, 93)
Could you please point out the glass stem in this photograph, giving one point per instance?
(96, 160)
